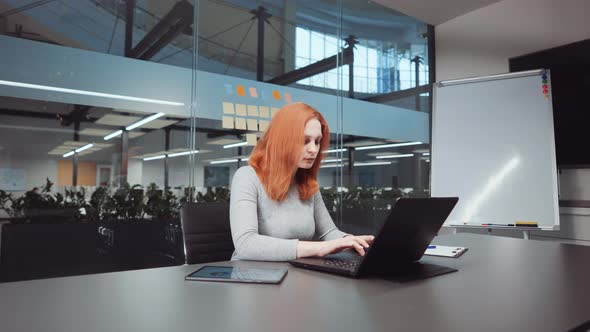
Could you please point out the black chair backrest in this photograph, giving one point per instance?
(206, 232)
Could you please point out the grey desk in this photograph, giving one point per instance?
(503, 284)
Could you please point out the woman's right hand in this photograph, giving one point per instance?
(358, 243)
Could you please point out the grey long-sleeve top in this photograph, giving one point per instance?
(264, 229)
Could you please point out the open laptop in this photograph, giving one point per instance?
(401, 242)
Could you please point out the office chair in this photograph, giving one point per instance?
(206, 232)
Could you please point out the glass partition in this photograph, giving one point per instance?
(95, 116)
(113, 113)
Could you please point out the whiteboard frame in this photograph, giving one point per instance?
(554, 169)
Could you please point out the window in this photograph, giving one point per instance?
(377, 68)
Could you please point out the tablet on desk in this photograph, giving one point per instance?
(238, 274)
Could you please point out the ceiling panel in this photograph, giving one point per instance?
(435, 11)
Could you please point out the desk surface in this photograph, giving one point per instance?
(502, 284)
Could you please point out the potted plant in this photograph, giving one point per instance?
(6, 200)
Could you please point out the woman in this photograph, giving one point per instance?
(276, 209)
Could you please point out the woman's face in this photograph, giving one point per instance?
(313, 137)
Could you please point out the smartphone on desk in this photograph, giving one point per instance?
(238, 274)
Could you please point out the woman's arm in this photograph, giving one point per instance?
(332, 239)
(323, 248)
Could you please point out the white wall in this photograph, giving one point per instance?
(481, 42)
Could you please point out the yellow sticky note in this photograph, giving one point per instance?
(263, 125)
(240, 123)
(253, 124)
(252, 110)
(227, 122)
(264, 111)
(241, 109)
(274, 111)
(228, 108)
(251, 139)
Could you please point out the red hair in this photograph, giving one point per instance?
(277, 153)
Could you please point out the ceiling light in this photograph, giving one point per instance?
(69, 154)
(426, 154)
(144, 121)
(184, 153)
(89, 93)
(82, 148)
(373, 163)
(332, 165)
(335, 150)
(162, 156)
(223, 161)
(331, 161)
(235, 145)
(115, 134)
(383, 146)
(389, 156)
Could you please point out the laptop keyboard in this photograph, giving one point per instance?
(344, 260)
(353, 262)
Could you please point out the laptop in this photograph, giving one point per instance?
(397, 247)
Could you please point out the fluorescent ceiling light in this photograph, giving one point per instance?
(373, 163)
(144, 121)
(223, 161)
(235, 145)
(184, 153)
(383, 146)
(426, 154)
(68, 154)
(87, 146)
(115, 134)
(389, 156)
(245, 159)
(89, 93)
(162, 156)
(332, 165)
(331, 161)
(427, 160)
(335, 150)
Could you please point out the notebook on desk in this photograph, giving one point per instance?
(401, 242)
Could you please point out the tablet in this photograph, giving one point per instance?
(238, 274)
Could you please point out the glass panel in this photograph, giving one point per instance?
(101, 196)
(376, 169)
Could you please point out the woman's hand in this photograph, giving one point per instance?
(358, 243)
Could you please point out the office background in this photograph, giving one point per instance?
(139, 177)
(216, 100)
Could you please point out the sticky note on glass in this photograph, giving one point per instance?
(264, 111)
(274, 111)
(227, 122)
(228, 108)
(253, 93)
(251, 139)
(288, 98)
(252, 110)
(241, 109)
(253, 124)
(263, 125)
(240, 123)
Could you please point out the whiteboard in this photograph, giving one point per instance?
(493, 146)
(13, 179)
